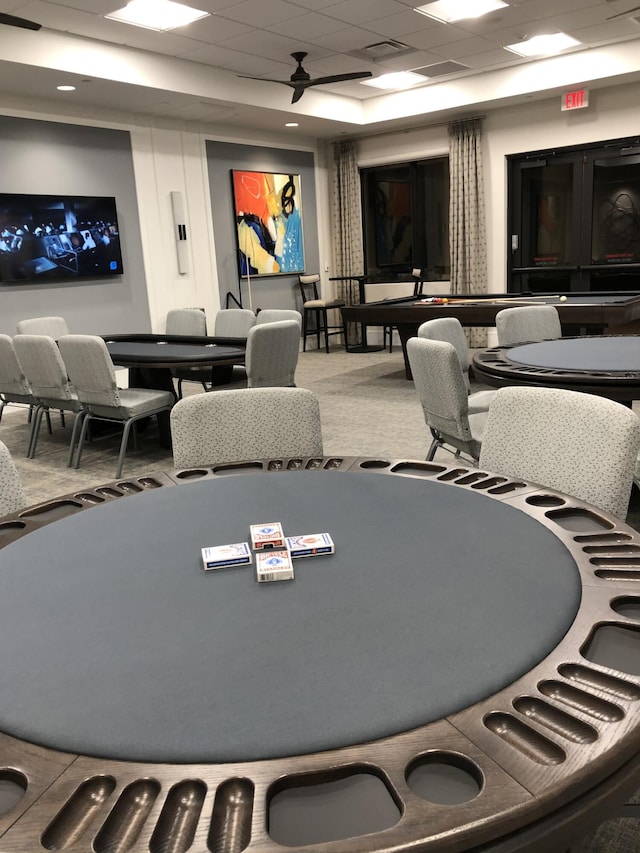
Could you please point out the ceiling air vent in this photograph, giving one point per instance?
(440, 69)
(382, 50)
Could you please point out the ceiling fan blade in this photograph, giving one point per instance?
(12, 21)
(337, 78)
(622, 14)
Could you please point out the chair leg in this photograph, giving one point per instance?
(123, 446)
(318, 328)
(85, 423)
(305, 315)
(77, 424)
(34, 432)
(325, 321)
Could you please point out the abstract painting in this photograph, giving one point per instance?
(268, 218)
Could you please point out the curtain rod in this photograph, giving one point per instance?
(408, 129)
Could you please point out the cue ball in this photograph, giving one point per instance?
(563, 299)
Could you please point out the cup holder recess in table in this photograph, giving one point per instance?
(628, 606)
(230, 828)
(331, 806)
(579, 520)
(124, 824)
(13, 786)
(238, 468)
(445, 778)
(545, 500)
(176, 826)
(614, 646)
(89, 498)
(375, 463)
(109, 492)
(422, 469)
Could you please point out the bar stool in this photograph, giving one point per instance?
(387, 331)
(313, 305)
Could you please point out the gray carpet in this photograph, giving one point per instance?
(367, 408)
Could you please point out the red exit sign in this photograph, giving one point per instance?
(575, 100)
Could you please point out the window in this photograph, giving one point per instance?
(406, 218)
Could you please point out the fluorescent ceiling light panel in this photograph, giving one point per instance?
(158, 15)
(543, 45)
(395, 80)
(449, 11)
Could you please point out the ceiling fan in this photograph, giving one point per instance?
(12, 21)
(301, 80)
(622, 14)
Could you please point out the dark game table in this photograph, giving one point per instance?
(605, 365)
(596, 313)
(462, 674)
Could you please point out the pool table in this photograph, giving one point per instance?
(614, 312)
(469, 683)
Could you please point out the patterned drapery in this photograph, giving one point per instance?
(467, 215)
(346, 223)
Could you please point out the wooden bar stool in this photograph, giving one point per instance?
(312, 305)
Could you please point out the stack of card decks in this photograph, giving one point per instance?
(222, 556)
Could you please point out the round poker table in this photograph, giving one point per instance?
(607, 365)
(460, 673)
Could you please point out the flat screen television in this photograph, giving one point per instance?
(48, 238)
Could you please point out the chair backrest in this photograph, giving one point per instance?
(440, 386)
(13, 382)
(416, 272)
(308, 285)
(580, 444)
(233, 322)
(275, 315)
(186, 321)
(54, 327)
(527, 324)
(246, 423)
(272, 354)
(40, 359)
(91, 371)
(12, 496)
(449, 329)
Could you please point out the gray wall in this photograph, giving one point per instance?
(277, 291)
(41, 157)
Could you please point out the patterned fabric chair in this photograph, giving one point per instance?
(580, 444)
(54, 327)
(12, 496)
(276, 315)
(450, 329)
(42, 364)
(14, 387)
(245, 423)
(317, 308)
(186, 321)
(527, 324)
(233, 322)
(272, 353)
(441, 389)
(91, 371)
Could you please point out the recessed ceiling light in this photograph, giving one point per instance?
(158, 15)
(66, 88)
(395, 80)
(448, 11)
(292, 124)
(542, 45)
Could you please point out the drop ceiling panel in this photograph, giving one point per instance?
(364, 11)
(308, 27)
(261, 13)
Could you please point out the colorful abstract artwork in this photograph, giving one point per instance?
(268, 223)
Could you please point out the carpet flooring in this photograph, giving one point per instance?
(367, 409)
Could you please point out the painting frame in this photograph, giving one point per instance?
(268, 222)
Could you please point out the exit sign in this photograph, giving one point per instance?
(575, 100)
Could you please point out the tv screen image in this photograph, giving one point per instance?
(46, 238)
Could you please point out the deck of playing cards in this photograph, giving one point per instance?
(310, 545)
(222, 556)
(268, 535)
(274, 566)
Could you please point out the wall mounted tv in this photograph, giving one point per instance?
(48, 238)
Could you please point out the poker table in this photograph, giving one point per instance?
(151, 358)
(596, 313)
(462, 674)
(607, 365)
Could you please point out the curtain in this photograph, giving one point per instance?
(467, 215)
(346, 223)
